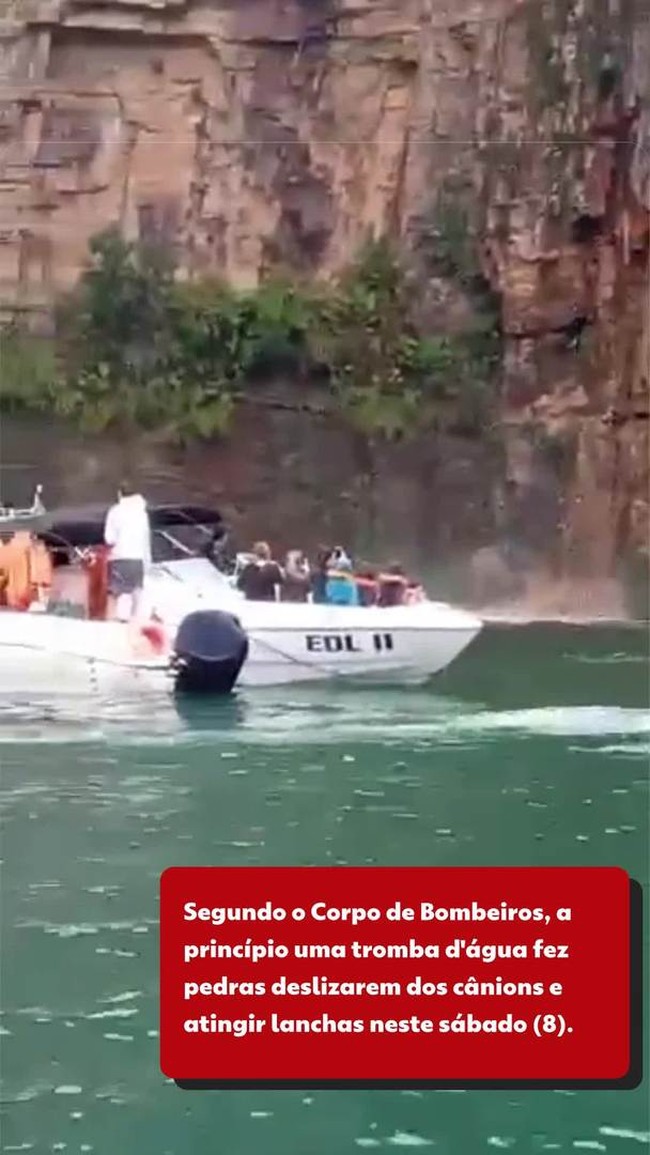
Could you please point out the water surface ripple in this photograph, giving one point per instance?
(533, 749)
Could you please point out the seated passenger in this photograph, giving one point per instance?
(392, 587)
(16, 570)
(26, 568)
(4, 571)
(367, 585)
(414, 593)
(262, 577)
(40, 574)
(297, 578)
(341, 588)
(341, 558)
(319, 575)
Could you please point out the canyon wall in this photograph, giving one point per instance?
(503, 138)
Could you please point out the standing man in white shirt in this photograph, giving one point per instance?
(127, 533)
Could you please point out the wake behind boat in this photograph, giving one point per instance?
(200, 633)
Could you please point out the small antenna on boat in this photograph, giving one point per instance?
(37, 503)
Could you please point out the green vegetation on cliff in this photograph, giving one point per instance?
(135, 347)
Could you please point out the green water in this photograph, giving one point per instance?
(533, 749)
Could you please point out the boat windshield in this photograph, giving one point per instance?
(181, 542)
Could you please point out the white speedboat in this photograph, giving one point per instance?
(206, 636)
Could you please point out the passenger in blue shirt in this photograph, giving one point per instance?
(341, 588)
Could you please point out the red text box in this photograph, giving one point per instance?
(403, 975)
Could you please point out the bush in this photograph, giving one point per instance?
(138, 349)
(28, 370)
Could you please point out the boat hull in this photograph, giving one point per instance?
(416, 655)
(45, 654)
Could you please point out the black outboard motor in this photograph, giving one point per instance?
(209, 652)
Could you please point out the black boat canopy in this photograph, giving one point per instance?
(83, 526)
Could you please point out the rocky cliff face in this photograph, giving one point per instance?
(506, 137)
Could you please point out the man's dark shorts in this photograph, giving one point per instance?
(125, 576)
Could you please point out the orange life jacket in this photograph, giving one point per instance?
(4, 572)
(16, 568)
(40, 567)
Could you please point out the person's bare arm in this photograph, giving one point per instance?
(110, 536)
